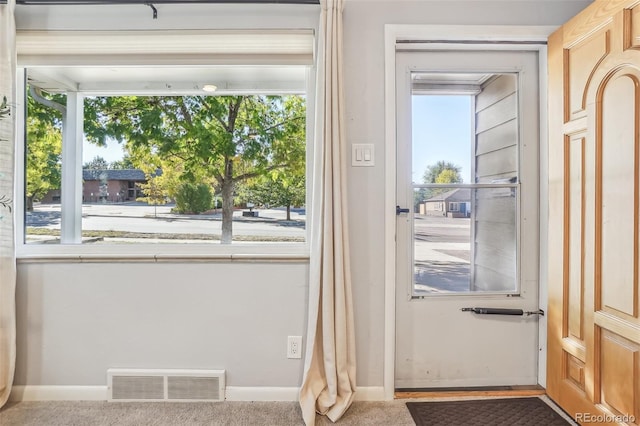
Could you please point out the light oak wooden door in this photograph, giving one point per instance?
(594, 223)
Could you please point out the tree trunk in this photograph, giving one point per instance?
(227, 211)
(288, 211)
(30, 204)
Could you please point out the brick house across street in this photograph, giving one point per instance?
(112, 185)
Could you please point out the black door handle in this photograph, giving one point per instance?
(399, 210)
(503, 311)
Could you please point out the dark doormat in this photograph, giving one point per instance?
(493, 412)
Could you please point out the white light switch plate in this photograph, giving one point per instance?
(362, 155)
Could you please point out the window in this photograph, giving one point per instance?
(197, 155)
(473, 245)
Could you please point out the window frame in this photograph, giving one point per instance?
(150, 251)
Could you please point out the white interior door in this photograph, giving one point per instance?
(467, 224)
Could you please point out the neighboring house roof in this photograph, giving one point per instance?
(125, 174)
(460, 194)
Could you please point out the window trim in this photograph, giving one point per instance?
(149, 251)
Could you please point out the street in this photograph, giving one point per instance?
(442, 254)
(141, 218)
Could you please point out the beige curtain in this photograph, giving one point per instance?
(328, 384)
(7, 252)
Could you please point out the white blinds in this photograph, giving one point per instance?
(184, 47)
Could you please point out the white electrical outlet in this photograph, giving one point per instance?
(294, 347)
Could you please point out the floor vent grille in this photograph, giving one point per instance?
(165, 385)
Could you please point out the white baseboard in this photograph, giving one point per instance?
(241, 393)
(370, 393)
(58, 393)
(232, 393)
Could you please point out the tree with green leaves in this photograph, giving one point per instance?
(449, 175)
(162, 176)
(222, 140)
(164, 173)
(123, 164)
(153, 194)
(278, 190)
(194, 198)
(98, 163)
(433, 171)
(44, 149)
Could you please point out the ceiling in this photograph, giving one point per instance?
(184, 80)
(430, 83)
(229, 79)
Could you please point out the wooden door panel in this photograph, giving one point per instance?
(574, 281)
(575, 371)
(632, 27)
(594, 219)
(620, 360)
(581, 61)
(617, 143)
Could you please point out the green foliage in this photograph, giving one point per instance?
(225, 140)
(44, 170)
(164, 173)
(255, 134)
(278, 190)
(193, 198)
(98, 163)
(154, 191)
(219, 141)
(124, 164)
(449, 176)
(44, 149)
(433, 171)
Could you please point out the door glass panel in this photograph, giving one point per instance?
(465, 240)
(465, 183)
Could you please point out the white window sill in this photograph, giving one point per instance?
(149, 253)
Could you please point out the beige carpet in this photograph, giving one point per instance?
(64, 413)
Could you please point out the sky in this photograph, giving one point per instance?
(112, 152)
(441, 130)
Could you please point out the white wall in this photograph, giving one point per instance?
(76, 320)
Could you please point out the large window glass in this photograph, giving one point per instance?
(43, 165)
(177, 162)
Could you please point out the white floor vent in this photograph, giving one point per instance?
(165, 385)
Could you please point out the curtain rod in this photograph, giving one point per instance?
(133, 2)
